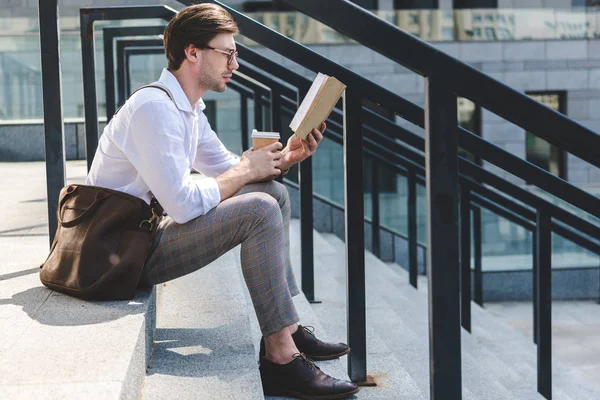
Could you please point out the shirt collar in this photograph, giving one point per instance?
(181, 100)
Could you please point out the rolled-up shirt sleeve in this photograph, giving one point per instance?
(156, 146)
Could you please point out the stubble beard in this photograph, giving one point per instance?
(208, 81)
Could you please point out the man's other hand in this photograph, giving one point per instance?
(298, 150)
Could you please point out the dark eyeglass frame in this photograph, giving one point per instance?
(229, 53)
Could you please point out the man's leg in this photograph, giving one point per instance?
(280, 194)
(303, 337)
(255, 221)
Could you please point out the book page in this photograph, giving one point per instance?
(321, 107)
(308, 100)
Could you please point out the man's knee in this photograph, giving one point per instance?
(265, 207)
(280, 192)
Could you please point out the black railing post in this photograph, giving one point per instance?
(53, 114)
(375, 208)
(109, 76)
(544, 302)
(441, 154)
(89, 86)
(244, 116)
(306, 229)
(465, 257)
(355, 239)
(258, 113)
(275, 109)
(477, 255)
(534, 269)
(413, 267)
(305, 181)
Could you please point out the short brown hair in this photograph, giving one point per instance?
(197, 24)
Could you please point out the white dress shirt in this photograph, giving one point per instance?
(150, 147)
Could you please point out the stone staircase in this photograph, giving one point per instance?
(498, 362)
(207, 336)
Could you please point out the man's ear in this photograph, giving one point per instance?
(191, 53)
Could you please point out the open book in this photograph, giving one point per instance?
(322, 96)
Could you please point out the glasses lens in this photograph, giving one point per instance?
(232, 55)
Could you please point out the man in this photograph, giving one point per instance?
(149, 149)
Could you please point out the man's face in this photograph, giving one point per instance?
(214, 69)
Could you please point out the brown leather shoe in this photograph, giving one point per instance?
(313, 348)
(302, 379)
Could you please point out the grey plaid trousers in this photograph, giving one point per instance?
(258, 218)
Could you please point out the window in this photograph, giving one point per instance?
(416, 4)
(539, 151)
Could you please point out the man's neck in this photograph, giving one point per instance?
(189, 84)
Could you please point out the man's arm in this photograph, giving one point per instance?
(255, 165)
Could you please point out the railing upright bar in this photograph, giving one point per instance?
(375, 231)
(478, 256)
(544, 303)
(109, 77)
(109, 34)
(441, 150)
(465, 257)
(306, 229)
(534, 270)
(413, 267)
(305, 179)
(276, 109)
(355, 240)
(90, 105)
(53, 113)
(244, 117)
(87, 17)
(258, 114)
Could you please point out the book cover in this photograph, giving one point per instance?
(316, 106)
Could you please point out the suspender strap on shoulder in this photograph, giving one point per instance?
(152, 85)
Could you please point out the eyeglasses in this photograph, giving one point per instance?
(231, 54)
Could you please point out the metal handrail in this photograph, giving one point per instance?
(466, 81)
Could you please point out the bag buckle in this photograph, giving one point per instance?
(151, 220)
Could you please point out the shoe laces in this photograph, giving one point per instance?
(308, 329)
(310, 362)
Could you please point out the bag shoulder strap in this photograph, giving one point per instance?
(152, 85)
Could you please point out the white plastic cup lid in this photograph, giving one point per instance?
(265, 135)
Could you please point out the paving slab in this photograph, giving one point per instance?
(52, 345)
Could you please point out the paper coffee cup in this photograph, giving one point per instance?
(262, 139)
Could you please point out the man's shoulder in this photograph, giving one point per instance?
(149, 95)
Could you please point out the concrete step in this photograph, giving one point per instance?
(204, 345)
(510, 355)
(53, 346)
(402, 324)
(393, 380)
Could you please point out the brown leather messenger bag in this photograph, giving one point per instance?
(102, 241)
